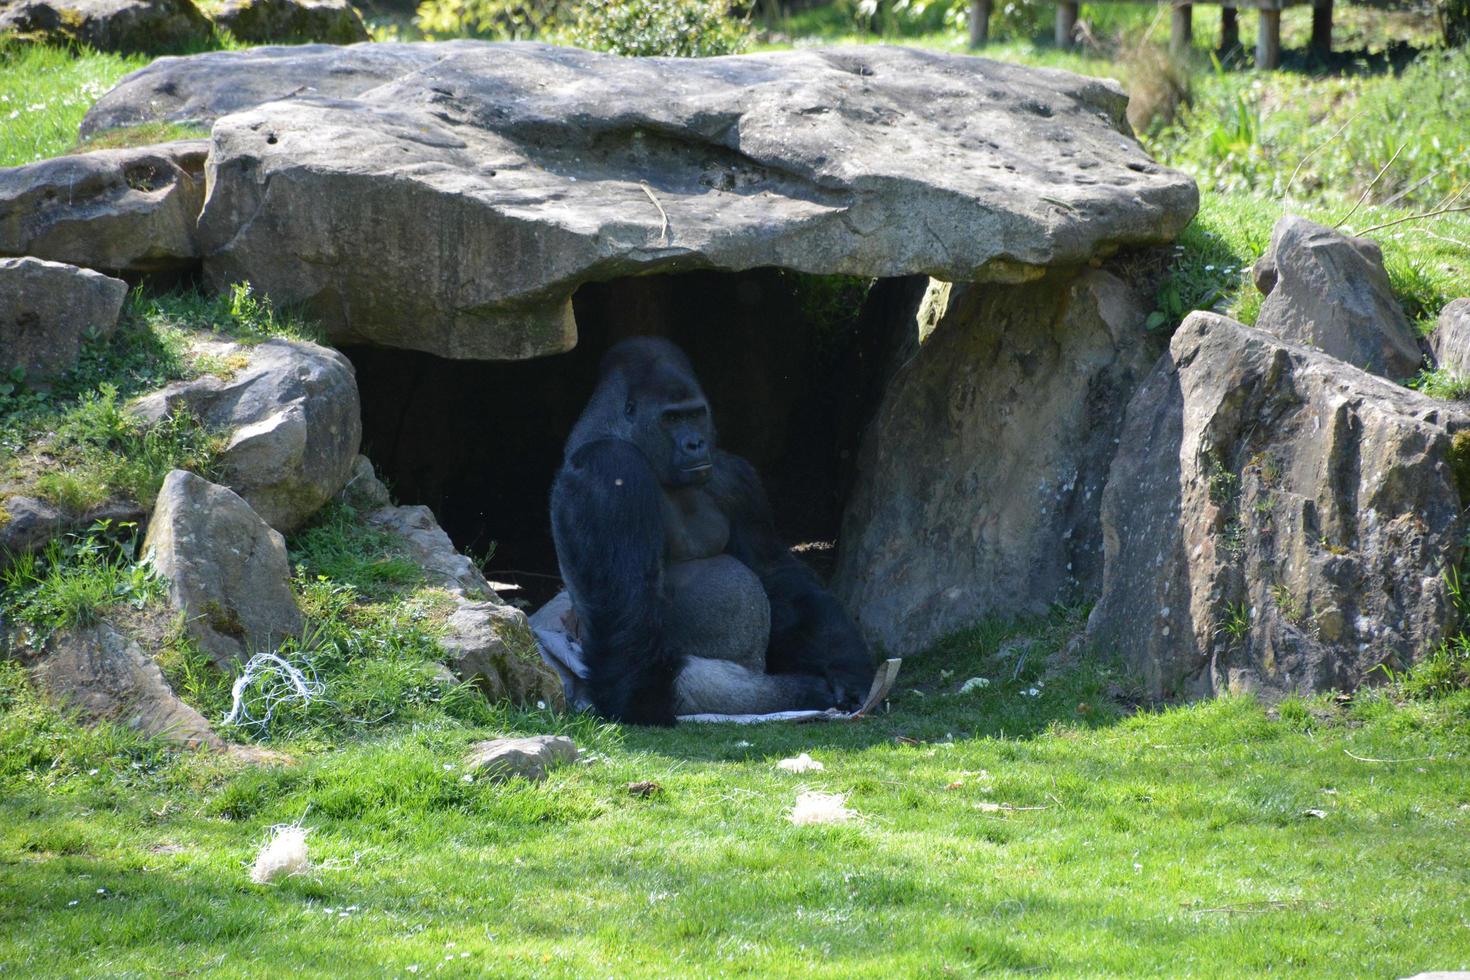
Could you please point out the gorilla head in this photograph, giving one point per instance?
(647, 395)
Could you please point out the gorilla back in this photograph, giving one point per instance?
(687, 600)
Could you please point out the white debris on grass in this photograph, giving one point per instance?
(974, 684)
(268, 682)
(284, 854)
(802, 763)
(813, 807)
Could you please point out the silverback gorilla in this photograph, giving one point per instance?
(687, 601)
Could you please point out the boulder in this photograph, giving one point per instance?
(485, 641)
(123, 26)
(130, 211)
(292, 418)
(1277, 520)
(199, 89)
(505, 758)
(981, 476)
(1451, 338)
(267, 21)
(1327, 290)
(430, 548)
(104, 676)
(554, 167)
(47, 309)
(227, 570)
(26, 524)
(491, 644)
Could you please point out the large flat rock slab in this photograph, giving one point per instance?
(125, 211)
(200, 88)
(456, 208)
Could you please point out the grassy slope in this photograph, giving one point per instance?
(1210, 840)
(1184, 841)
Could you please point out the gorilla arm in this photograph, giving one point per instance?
(607, 521)
(810, 631)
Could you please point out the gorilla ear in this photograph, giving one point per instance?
(630, 409)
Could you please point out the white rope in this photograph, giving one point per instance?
(268, 682)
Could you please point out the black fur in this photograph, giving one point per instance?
(607, 520)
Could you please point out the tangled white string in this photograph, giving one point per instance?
(268, 682)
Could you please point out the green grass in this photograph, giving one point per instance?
(75, 444)
(45, 92)
(998, 832)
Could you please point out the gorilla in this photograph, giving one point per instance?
(686, 599)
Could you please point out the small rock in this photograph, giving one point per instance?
(491, 644)
(529, 758)
(104, 676)
(131, 210)
(227, 570)
(291, 21)
(363, 489)
(47, 309)
(645, 789)
(1327, 290)
(1451, 338)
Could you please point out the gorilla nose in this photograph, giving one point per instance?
(694, 445)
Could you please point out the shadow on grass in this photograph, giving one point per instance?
(1027, 687)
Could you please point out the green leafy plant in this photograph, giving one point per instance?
(677, 28)
(78, 577)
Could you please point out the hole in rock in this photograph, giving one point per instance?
(792, 364)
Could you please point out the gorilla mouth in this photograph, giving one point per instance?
(702, 470)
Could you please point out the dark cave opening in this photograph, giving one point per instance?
(793, 366)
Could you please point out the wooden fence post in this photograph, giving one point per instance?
(1181, 28)
(1066, 22)
(1268, 39)
(979, 22)
(1322, 28)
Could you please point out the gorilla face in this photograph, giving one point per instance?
(676, 436)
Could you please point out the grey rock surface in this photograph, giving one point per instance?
(198, 89)
(267, 21)
(1451, 338)
(227, 570)
(430, 548)
(126, 26)
(293, 420)
(485, 641)
(384, 214)
(131, 210)
(1277, 520)
(26, 524)
(491, 644)
(980, 477)
(47, 309)
(1325, 289)
(104, 676)
(529, 758)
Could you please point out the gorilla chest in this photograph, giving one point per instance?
(717, 607)
(694, 527)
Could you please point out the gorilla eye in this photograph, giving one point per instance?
(630, 409)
